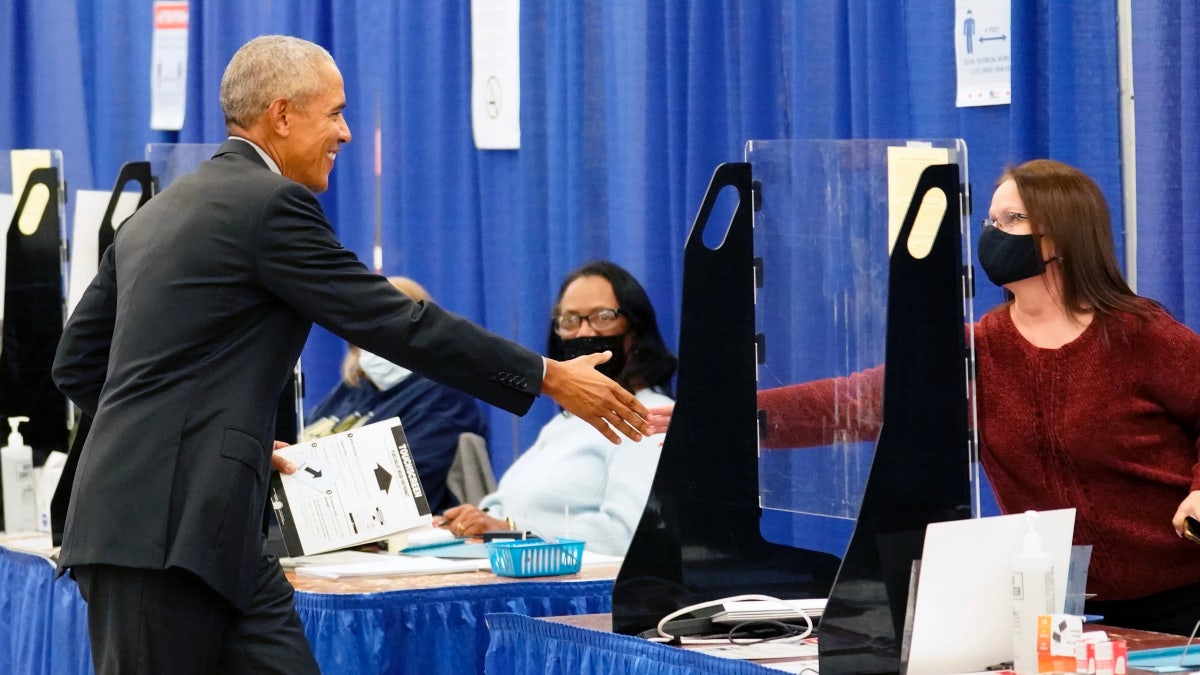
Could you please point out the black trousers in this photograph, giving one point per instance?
(147, 622)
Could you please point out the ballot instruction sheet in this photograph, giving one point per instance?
(350, 488)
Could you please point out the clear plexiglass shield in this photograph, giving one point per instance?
(169, 161)
(827, 216)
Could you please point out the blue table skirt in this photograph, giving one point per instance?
(432, 631)
(43, 622)
(521, 645)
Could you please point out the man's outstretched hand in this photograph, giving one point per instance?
(583, 391)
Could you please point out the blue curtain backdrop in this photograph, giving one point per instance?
(1166, 68)
(626, 108)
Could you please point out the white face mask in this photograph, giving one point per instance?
(383, 373)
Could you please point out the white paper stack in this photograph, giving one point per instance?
(768, 610)
(392, 565)
(420, 537)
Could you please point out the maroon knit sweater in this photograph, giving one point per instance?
(1107, 424)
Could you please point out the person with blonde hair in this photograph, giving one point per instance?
(433, 415)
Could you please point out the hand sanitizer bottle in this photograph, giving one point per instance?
(16, 481)
(1032, 595)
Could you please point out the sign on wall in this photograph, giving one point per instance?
(983, 49)
(496, 74)
(168, 65)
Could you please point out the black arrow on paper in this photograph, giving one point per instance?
(313, 472)
(998, 37)
(383, 477)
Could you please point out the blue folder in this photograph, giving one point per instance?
(1166, 659)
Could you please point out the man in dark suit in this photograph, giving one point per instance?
(180, 348)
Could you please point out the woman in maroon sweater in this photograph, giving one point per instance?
(1088, 397)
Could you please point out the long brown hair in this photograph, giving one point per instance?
(1067, 206)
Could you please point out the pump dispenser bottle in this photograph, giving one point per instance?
(1032, 595)
(16, 480)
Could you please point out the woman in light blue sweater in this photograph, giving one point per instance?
(572, 482)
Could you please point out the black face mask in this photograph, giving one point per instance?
(593, 345)
(1009, 257)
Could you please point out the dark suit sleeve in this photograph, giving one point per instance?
(81, 362)
(302, 262)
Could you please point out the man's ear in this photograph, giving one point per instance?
(278, 113)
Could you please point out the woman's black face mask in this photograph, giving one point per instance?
(1006, 258)
(600, 343)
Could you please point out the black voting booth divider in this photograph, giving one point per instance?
(920, 472)
(699, 539)
(33, 318)
(138, 172)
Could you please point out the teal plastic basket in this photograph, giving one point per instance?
(535, 557)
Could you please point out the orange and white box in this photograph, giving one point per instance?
(1057, 635)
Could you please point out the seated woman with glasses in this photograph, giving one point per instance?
(433, 415)
(571, 481)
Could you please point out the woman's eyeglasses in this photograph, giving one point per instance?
(1006, 221)
(599, 320)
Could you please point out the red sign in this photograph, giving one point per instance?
(170, 15)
